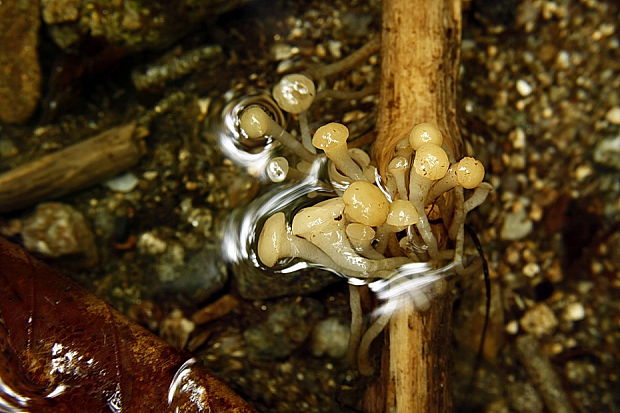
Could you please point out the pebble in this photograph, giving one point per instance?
(150, 243)
(516, 226)
(330, 337)
(607, 152)
(613, 115)
(57, 230)
(524, 88)
(574, 312)
(283, 51)
(539, 320)
(123, 183)
(531, 269)
(194, 275)
(7, 148)
(287, 326)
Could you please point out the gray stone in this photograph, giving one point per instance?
(287, 326)
(516, 226)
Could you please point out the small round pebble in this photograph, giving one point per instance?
(613, 115)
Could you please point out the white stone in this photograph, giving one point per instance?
(531, 269)
(122, 183)
(524, 88)
(539, 320)
(574, 312)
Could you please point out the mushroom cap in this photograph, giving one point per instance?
(431, 161)
(424, 133)
(277, 169)
(318, 217)
(330, 136)
(294, 93)
(402, 213)
(360, 232)
(255, 122)
(365, 203)
(469, 172)
(398, 163)
(271, 238)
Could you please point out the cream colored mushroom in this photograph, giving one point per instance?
(430, 163)
(398, 168)
(361, 237)
(256, 123)
(332, 139)
(468, 173)
(402, 214)
(294, 93)
(275, 243)
(324, 226)
(365, 203)
(425, 133)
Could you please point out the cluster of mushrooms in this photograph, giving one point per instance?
(367, 219)
(370, 227)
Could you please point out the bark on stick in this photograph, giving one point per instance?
(420, 45)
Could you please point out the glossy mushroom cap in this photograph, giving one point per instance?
(402, 213)
(271, 238)
(431, 161)
(365, 203)
(255, 122)
(424, 133)
(277, 169)
(330, 136)
(469, 172)
(294, 93)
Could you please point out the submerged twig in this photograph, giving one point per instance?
(72, 168)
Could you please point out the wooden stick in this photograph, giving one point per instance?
(420, 46)
(72, 168)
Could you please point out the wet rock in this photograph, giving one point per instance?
(539, 320)
(58, 230)
(20, 74)
(134, 24)
(330, 337)
(607, 152)
(193, 277)
(516, 226)
(126, 182)
(287, 326)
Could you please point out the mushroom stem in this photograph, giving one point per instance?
(445, 184)
(306, 139)
(363, 360)
(478, 197)
(361, 237)
(332, 139)
(398, 168)
(418, 187)
(356, 323)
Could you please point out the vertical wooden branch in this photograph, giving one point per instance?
(420, 58)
